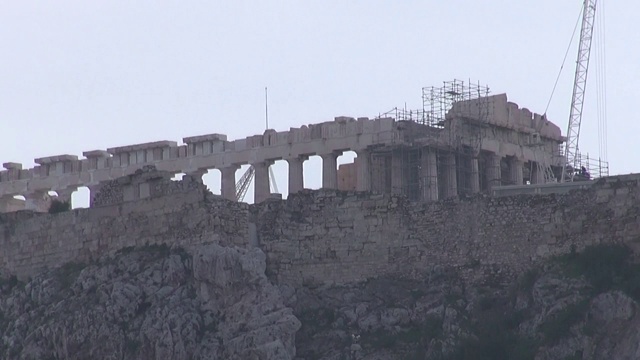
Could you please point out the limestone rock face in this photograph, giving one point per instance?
(546, 317)
(152, 303)
(214, 302)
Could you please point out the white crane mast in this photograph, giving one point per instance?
(579, 88)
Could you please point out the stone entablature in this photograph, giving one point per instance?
(506, 114)
(199, 153)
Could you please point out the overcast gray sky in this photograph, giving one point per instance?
(85, 75)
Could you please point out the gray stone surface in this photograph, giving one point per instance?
(508, 132)
(151, 303)
(332, 236)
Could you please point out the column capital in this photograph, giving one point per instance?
(198, 171)
(301, 158)
(333, 153)
(266, 163)
(230, 167)
(12, 166)
(517, 159)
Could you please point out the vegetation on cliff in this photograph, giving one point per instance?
(572, 307)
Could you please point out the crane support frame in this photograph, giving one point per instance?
(579, 89)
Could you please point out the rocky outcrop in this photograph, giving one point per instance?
(580, 306)
(151, 303)
(213, 302)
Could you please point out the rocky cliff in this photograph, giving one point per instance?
(213, 302)
(150, 303)
(577, 306)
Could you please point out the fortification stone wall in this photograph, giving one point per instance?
(345, 237)
(333, 236)
(31, 242)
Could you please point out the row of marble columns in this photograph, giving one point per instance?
(447, 172)
(435, 166)
(262, 189)
(228, 180)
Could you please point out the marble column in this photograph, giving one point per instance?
(515, 169)
(494, 172)
(296, 174)
(228, 182)
(450, 180)
(537, 173)
(396, 172)
(363, 167)
(330, 170)
(261, 188)
(475, 174)
(429, 174)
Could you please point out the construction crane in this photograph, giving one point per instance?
(579, 88)
(242, 186)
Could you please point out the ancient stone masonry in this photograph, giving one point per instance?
(348, 237)
(31, 242)
(145, 183)
(420, 160)
(333, 236)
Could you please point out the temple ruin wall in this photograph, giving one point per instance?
(65, 173)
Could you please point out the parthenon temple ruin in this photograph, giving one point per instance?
(457, 144)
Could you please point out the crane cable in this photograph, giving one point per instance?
(565, 59)
(601, 84)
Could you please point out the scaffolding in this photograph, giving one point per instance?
(450, 128)
(462, 110)
(588, 168)
(472, 101)
(458, 112)
(403, 114)
(584, 168)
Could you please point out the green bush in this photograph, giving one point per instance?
(606, 267)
